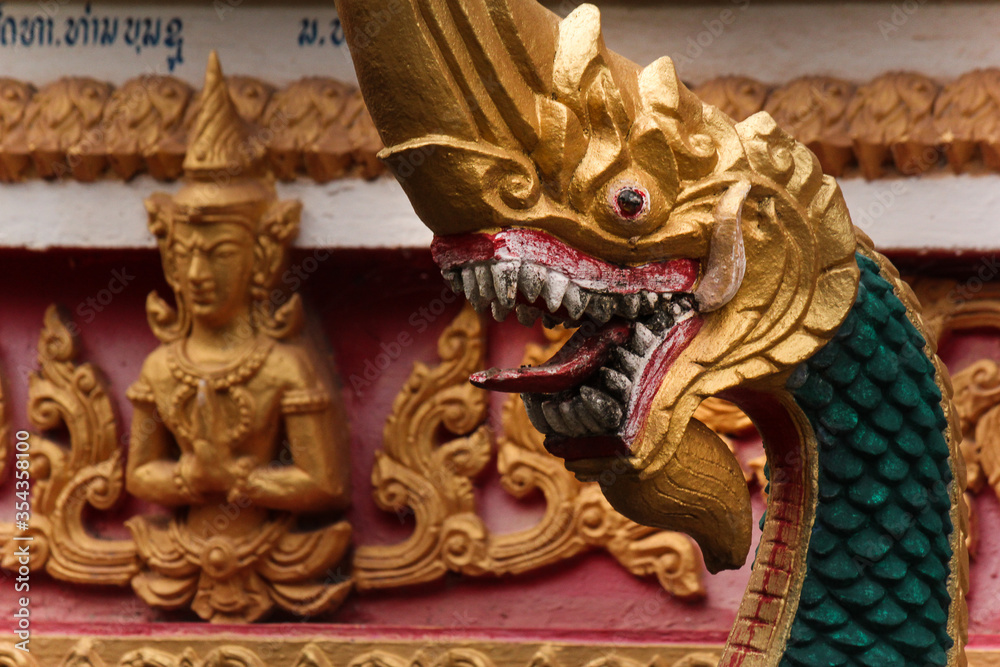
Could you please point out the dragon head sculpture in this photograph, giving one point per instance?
(697, 256)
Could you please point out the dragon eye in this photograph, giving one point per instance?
(630, 202)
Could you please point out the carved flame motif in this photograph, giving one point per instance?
(417, 473)
(71, 479)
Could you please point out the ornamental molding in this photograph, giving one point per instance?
(318, 127)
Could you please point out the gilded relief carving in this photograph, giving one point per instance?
(893, 116)
(233, 426)
(60, 119)
(323, 127)
(141, 118)
(417, 472)
(71, 479)
(319, 126)
(739, 97)
(578, 517)
(114, 652)
(813, 109)
(15, 155)
(967, 116)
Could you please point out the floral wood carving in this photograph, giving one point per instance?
(323, 127)
(79, 127)
(967, 116)
(416, 472)
(69, 479)
(61, 119)
(308, 127)
(894, 115)
(141, 118)
(814, 110)
(578, 517)
(15, 156)
(87, 653)
(739, 97)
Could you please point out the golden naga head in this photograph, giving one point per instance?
(698, 256)
(224, 236)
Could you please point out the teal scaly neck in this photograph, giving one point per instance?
(876, 589)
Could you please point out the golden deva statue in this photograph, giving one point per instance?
(233, 426)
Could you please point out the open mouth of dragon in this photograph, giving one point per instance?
(592, 397)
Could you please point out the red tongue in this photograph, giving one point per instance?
(582, 355)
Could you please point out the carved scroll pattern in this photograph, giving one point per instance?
(79, 127)
(87, 653)
(578, 517)
(68, 479)
(319, 126)
(434, 480)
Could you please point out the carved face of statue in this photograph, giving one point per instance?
(214, 265)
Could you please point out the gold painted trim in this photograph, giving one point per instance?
(319, 127)
(222, 649)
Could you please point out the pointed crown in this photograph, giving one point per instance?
(224, 165)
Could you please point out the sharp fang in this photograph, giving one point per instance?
(603, 408)
(647, 301)
(531, 281)
(485, 279)
(627, 361)
(617, 382)
(556, 285)
(469, 281)
(628, 306)
(659, 322)
(527, 315)
(601, 308)
(500, 312)
(570, 419)
(727, 260)
(533, 406)
(586, 419)
(505, 282)
(642, 338)
(454, 279)
(575, 300)
(554, 417)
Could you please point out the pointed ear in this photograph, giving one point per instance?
(281, 220)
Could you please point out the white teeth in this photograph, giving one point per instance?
(570, 419)
(627, 361)
(553, 415)
(575, 300)
(647, 301)
(533, 405)
(471, 287)
(628, 306)
(454, 280)
(505, 282)
(469, 282)
(500, 313)
(555, 287)
(531, 280)
(617, 382)
(586, 419)
(485, 279)
(601, 308)
(604, 408)
(642, 338)
(527, 315)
